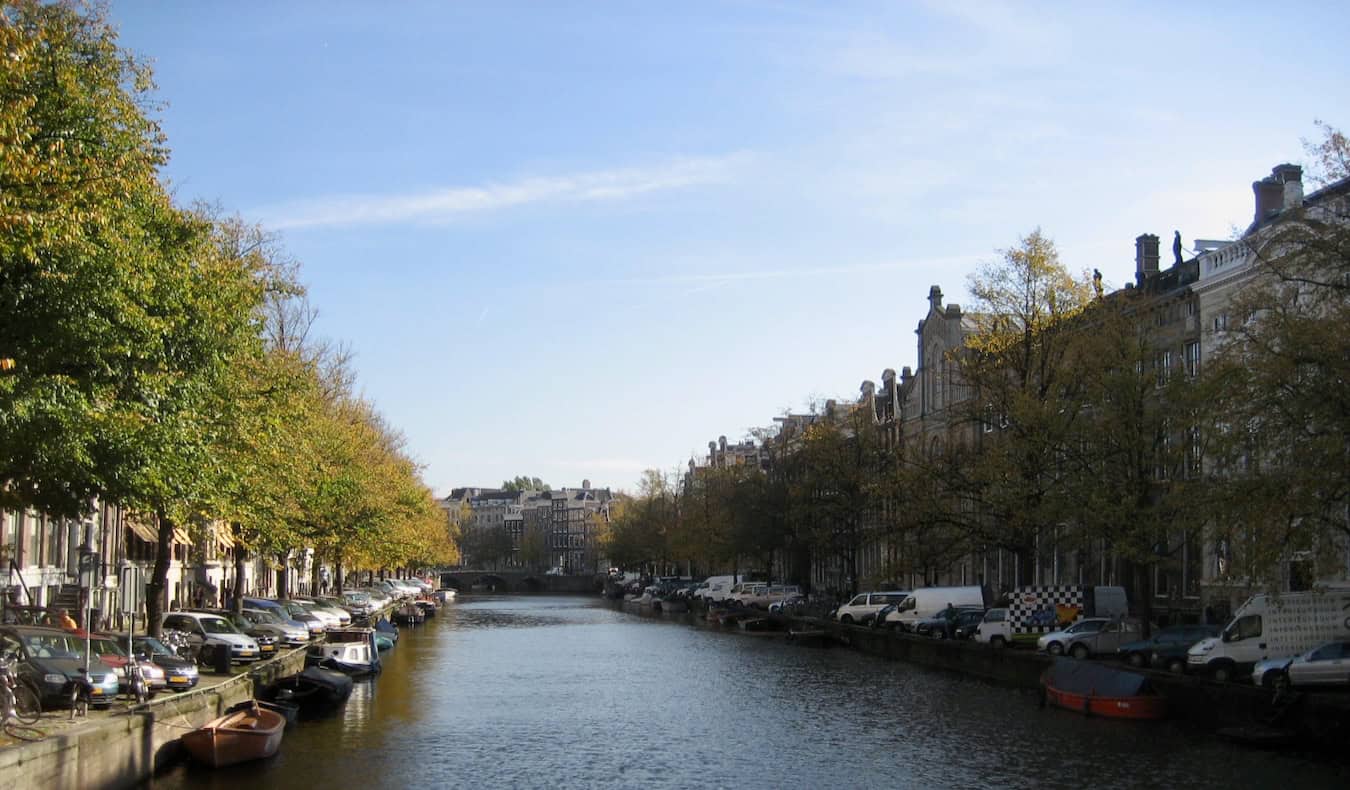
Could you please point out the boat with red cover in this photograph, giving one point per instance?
(1097, 690)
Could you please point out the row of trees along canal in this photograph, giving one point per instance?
(1069, 428)
(162, 356)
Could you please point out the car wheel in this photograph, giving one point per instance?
(1176, 666)
(1222, 672)
(1135, 659)
(846, 619)
(941, 633)
(1055, 649)
(1281, 681)
(998, 643)
(1080, 652)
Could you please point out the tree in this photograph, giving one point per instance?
(83, 226)
(521, 483)
(1280, 384)
(1003, 491)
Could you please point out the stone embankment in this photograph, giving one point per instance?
(1320, 720)
(127, 747)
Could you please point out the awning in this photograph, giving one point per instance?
(142, 530)
(180, 535)
(223, 537)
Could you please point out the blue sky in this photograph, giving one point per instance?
(577, 240)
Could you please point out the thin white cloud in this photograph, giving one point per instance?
(446, 204)
(702, 282)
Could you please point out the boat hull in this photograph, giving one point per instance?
(1141, 707)
(250, 734)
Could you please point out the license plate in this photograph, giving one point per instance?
(268, 648)
(245, 652)
(97, 691)
(177, 678)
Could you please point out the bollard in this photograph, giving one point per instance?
(222, 659)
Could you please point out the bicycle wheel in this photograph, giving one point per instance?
(27, 704)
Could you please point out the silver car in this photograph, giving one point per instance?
(1325, 665)
(1056, 642)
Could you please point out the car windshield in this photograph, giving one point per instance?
(104, 647)
(151, 645)
(261, 617)
(1087, 626)
(216, 625)
(43, 646)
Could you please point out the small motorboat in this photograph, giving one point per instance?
(408, 614)
(428, 608)
(317, 691)
(288, 710)
(1096, 690)
(387, 629)
(253, 733)
(352, 651)
(382, 642)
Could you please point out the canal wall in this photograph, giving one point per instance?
(125, 749)
(1319, 721)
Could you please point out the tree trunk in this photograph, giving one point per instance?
(337, 575)
(159, 576)
(314, 588)
(236, 597)
(283, 576)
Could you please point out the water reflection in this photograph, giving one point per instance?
(542, 692)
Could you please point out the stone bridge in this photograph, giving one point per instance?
(517, 582)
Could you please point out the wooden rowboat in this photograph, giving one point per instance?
(250, 734)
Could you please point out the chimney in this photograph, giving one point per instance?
(1291, 176)
(1269, 198)
(722, 443)
(1145, 257)
(869, 390)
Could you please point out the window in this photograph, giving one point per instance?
(1221, 322)
(1244, 628)
(1192, 360)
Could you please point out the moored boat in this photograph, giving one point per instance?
(317, 691)
(253, 733)
(351, 651)
(1096, 690)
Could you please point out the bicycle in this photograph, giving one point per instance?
(19, 701)
(137, 686)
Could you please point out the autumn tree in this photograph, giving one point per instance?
(1003, 490)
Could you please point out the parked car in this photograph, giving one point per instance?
(329, 618)
(266, 638)
(993, 628)
(50, 659)
(281, 612)
(180, 674)
(863, 607)
(1056, 642)
(1105, 640)
(947, 623)
(878, 620)
(359, 603)
(1166, 648)
(313, 623)
(266, 621)
(1325, 665)
(111, 652)
(214, 632)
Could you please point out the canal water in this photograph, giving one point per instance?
(560, 692)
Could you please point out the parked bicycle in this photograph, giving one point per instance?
(19, 702)
(138, 688)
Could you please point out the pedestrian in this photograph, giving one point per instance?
(67, 622)
(949, 616)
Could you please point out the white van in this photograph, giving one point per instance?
(864, 606)
(1270, 627)
(746, 592)
(926, 602)
(716, 588)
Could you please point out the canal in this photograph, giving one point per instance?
(567, 692)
